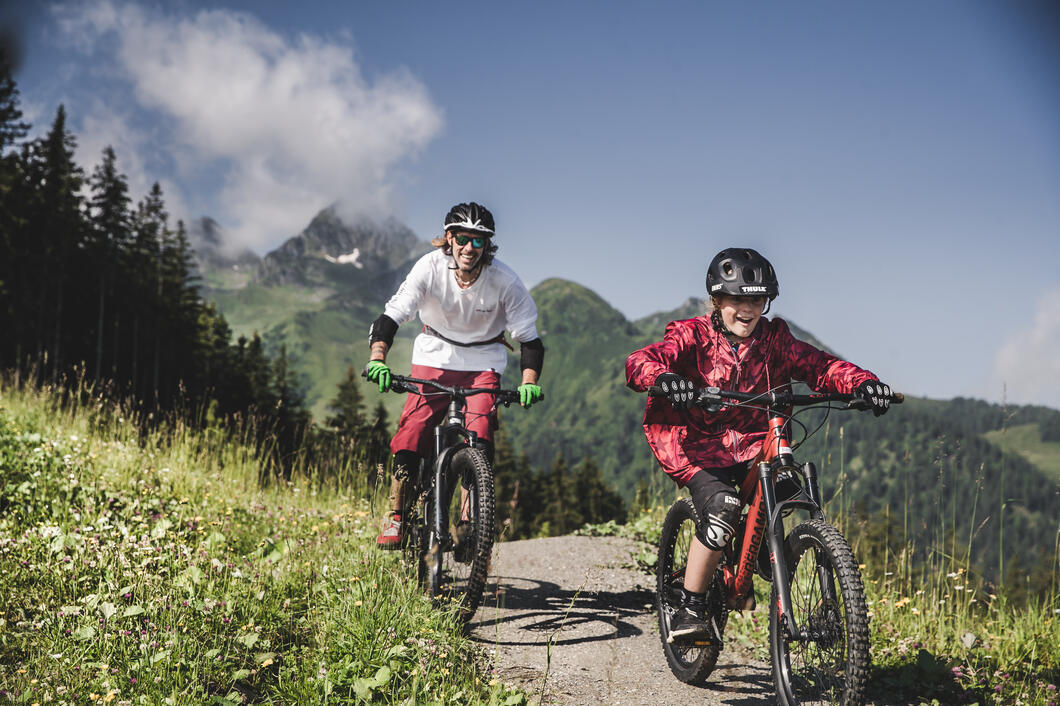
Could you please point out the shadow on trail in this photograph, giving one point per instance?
(752, 686)
(545, 614)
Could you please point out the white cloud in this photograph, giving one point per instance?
(290, 126)
(1028, 365)
(104, 126)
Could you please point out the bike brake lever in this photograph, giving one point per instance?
(709, 400)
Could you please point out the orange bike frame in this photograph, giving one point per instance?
(738, 579)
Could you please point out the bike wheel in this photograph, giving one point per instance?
(829, 662)
(415, 544)
(457, 568)
(690, 663)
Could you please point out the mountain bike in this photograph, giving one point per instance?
(818, 620)
(455, 483)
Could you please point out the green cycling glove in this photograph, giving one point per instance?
(528, 394)
(378, 371)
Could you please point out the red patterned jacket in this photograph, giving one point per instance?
(685, 441)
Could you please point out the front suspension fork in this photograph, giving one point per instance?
(775, 538)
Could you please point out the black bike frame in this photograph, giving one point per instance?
(446, 443)
(447, 438)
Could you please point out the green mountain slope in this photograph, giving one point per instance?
(948, 471)
(941, 468)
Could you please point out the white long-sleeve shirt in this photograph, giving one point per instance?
(495, 302)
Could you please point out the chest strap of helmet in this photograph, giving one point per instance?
(499, 338)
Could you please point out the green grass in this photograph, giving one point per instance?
(1026, 441)
(256, 309)
(154, 569)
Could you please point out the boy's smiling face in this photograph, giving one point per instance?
(741, 314)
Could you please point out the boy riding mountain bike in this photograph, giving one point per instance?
(466, 299)
(734, 347)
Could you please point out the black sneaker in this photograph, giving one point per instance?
(687, 625)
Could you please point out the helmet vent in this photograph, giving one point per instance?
(749, 274)
(728, 270)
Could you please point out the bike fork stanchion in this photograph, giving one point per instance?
(824, 572)
(440, 500)
(775, 538)
(813, 490)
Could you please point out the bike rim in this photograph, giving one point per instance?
(687, 655)
(452, 563)
(815, 669)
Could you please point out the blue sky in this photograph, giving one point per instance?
(898, 162)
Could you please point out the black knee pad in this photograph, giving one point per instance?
(717, 519)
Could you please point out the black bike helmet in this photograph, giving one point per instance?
(469, 217)
(741, 272)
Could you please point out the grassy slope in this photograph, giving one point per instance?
(154, 569)
(323, 336)
(1026, 441)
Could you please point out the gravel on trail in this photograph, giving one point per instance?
(571, 621)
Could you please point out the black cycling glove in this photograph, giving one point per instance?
(876, 394)
(677, 388)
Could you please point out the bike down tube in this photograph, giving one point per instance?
(738, 583)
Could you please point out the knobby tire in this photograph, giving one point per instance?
(690, 663)
(456, 573)
(832, 665)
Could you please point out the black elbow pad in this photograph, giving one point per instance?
(532, 355)
(383, 329)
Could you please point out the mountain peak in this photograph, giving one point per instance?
(358, 242)
(213, 250)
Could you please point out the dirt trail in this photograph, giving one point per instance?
(569, 620)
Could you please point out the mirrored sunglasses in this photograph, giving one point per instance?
(477, 241)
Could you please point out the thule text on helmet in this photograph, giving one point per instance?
(741, 272)
(469, 217)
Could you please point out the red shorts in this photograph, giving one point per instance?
(421, 414)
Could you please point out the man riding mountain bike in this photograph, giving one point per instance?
(731, 347)
(466, 300)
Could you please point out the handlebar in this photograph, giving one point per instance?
(713, 396)
(404, 383)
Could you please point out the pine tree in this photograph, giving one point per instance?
(111, 230)
(12, 275)
(150, 226)
(561, 510)
(347, 408)
(597, 502)
(12, 128)
(378, 446)
(518, 492)
(58, 227)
